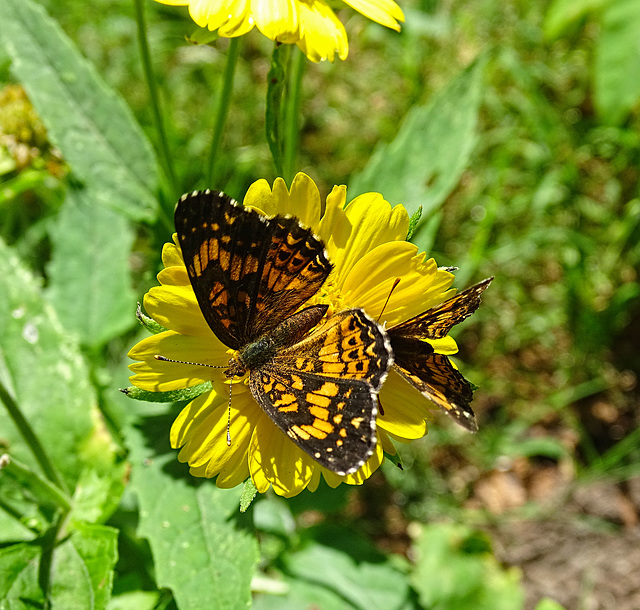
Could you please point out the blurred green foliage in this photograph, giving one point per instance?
(516, 124)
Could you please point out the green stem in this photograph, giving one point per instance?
(276, 82)
(224, 101)
(291, 127)
(45, 491)
(165, 154)
(31, 439)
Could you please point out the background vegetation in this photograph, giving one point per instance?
(516, 125)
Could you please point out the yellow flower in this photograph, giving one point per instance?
(311, 24)
(366, 243)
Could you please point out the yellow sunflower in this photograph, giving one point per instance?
(365, 241)
(310, 24)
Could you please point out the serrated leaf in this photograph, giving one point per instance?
(617, 65)
(89, 275)
(91, 125)
(171, 396)
(199, 551)
(431, 150)
(43, 369)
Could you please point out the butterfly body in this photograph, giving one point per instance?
(252, 275)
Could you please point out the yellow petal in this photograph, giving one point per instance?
(384, 12)
(276, 19)
(174, 276)
(161, 376)
(367, 222)
(276, 460)
(406, 410)
(202, 426)
(371, 279)
(171, 254)
(176, 308)
(322, 35)
(302, 201)
(446, 345)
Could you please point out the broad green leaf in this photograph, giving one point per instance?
(81, 571)
(19, 589)
(431, 150)
(617, 65)
(135, 600)
(91, 125)
(89, 275)
(455, 569)
(43, 370)
(170, 396)
(82, 568)
(200, 552)
(344, 571)
(97, 496)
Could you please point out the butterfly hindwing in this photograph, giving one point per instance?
(249, 272)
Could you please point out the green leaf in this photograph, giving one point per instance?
(413, 222)
(456, 570)
(170, 396)
(249, 491)
(149, 323)
(81, 571)
(82, 568)
(89, 275)
(199, 550)
(433, 146)
(19, 589)
(340, 570)
(97, 496)
(617, 65)
(91, 125)
(276, 81)
(43, 369)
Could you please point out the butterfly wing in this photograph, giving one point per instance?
(321, 391)
(437, 379)
(248, 272)
(436, 322)
(431, 373)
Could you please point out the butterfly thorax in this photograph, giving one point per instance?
(262, 350)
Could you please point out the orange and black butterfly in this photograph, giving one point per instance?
(252, 275)
(431, 373)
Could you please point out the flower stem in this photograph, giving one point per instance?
(31, 439)
(224, 101)
(291, 127)
(276, 82)
(165, 154)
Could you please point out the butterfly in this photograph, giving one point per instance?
(251, 275)
(431, 373)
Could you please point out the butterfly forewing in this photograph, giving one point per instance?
(248, 272)
(436, 322)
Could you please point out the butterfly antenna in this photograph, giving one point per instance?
(229, 417)
(211, 366)
(388, 297)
